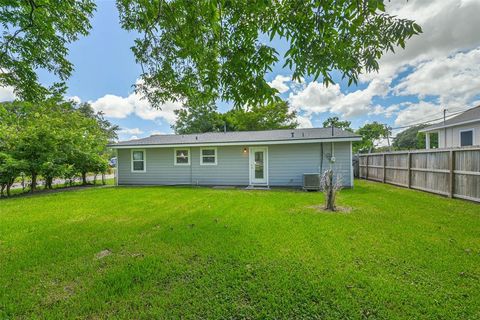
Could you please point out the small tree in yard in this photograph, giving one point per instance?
(100, 166)
(10, 169)
(50, 170)
(330, 186)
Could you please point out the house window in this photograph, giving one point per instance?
(466, 138)
(138, 161)
(208, 156)
(182, 157)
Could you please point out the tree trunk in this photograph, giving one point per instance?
(33, 184)
(84, 178)
(48, 182)
(329, 192)
(95, 179)
(104, 181)
(8, 189)
(1, 189)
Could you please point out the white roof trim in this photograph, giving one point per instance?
(240, 143)
(449, 125)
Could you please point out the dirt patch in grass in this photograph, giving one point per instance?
(339, 209)
(102, 254)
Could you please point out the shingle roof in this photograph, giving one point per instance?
(242, 136)
(469, 115)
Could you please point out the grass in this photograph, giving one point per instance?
(166, 252)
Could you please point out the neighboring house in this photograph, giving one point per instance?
(248, 158)
(460, 131)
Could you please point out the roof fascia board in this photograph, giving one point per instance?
(240, 143)
(449, 125)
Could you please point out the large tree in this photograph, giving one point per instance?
(411, 138)
(274, 115)
(337, 123)
(35, 35)
(198, 119)
(204, 51)
(371, 134)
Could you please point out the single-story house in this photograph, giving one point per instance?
(460, 131)
(249, 158)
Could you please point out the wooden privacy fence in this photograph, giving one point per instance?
(451, 172)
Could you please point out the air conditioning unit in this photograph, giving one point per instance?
(311, 181)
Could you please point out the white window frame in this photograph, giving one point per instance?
(208, 163)
(144, 160)
(175, 157)
(460, 136)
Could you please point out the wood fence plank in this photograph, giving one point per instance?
(453, 172)
(409, 172)
(384, 166)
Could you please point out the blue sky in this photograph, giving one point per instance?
(440, 69)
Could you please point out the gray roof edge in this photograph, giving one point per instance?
(468, 116)
(226, 143)
(243, 137)
(437, 126)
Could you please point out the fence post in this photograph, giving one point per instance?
(366, 173)
(384, 165)
(409, 166)
(452, 173)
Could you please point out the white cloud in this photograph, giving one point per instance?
(455, 80)
(120, 107)
(113, 106)
(157, 132)
(318, 98)
(414, 113)
(6, 94)
(304, 122)
(130, 131)
(443, 63)
(386, 112)
(144, 110)
(133, 138)
(449, 26)
(74, 99)
(279, 83)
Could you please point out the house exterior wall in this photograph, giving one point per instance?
(286, 164)
(452, 135)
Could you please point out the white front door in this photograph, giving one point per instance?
(259, 165)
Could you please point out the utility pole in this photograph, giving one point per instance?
(388, 138)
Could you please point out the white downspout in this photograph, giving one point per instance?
(116, 168)
(351, 164)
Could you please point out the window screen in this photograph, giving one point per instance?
(208, 156)
(466, 138)
(138, 160)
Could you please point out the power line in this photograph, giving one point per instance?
(427, 122)
(422, 119)
(452, 112)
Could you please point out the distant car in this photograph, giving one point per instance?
(113, 162)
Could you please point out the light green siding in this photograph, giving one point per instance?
(286, 165)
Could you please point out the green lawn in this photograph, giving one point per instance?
(208, 253)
